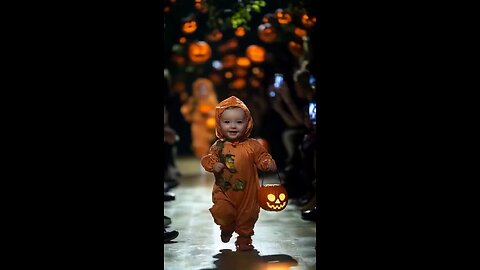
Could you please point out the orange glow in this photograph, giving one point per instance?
(199, 52)
(179, 60)
(300, 32)
(255, 83)
(240, 72)
(258, 72)
(243, 62)
(240, 31)
(228, 75)
(256, 53)
(210, 123)
(283, 17)
(182, 40)
(308, 21)
(205, 108)
(238, 84)
(229, 60)
(189, 27)
(267, 33)
(295, 48)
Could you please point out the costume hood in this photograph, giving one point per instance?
(232, 101)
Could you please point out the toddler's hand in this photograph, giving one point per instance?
(218, 167)
(271, 167)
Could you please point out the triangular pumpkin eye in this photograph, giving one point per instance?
(281, 196)
(271, 197)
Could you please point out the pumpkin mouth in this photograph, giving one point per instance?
(274, 206)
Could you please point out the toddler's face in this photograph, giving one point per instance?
(233, 123)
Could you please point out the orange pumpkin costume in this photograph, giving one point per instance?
(234, 195)
(199, 111)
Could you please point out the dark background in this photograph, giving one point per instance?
(84, 136)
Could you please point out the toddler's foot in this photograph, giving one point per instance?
(244, 247)
(225, 236)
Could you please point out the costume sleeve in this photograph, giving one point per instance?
(210, 159)
(262, 157)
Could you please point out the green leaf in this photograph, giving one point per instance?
(256, 8)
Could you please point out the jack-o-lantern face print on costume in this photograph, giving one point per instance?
(233, 123)
(272, 197)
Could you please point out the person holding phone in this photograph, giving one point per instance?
(292, 106)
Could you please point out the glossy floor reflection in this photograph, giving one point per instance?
(282, 240)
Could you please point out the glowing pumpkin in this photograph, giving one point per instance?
(267, 33)
(283, 17)
(256, 53)
(189, 26)
(243, 62)
(228, 74)
(308, 21)
(210, 123)
(240, 31)
(199, 52)
(205, 108)
(272, 197)
(300, 32)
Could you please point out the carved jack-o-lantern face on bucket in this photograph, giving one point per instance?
(272, 197)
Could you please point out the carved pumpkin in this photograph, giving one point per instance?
(240, 31)
(267, 33)
(283, 17)
(256, 53)
(308, 21)
(199, 52)
(300, 32)
(189, 26)
(272, 197)
(243, 62)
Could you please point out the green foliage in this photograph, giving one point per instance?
(234, 16)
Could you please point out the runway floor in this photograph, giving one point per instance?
(282, 240)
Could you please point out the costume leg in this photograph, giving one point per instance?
(224, 214)
(244, 227)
